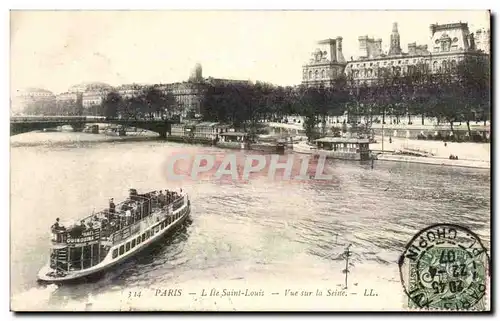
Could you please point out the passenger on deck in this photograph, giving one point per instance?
(111, 206)
(161, 199)
(128, 217)
(57, 227)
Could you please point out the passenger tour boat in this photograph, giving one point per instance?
(344, 148)
(113, 235)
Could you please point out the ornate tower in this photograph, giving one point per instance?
(395, 48)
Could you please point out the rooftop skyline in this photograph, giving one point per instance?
(55, 50)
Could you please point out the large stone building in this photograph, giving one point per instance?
(449, 43)
(326, 64)
(92, 93)
(127, 91)
(189, 94)
(23, 97)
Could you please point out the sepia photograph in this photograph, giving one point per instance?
(244, 160)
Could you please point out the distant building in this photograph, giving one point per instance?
(449, 44)
(130, 90)
(23, 97)
(326, 64)
(92, 93)
(189, 94)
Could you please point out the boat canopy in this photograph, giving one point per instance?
(340, 140)
(233, 134)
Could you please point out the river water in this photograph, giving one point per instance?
(265, 235)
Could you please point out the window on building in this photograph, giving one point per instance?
(445, 65)
(127, 247)
(133, 243)
(453, 65)
(122, 249)
(435, 66)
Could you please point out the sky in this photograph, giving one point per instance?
(57, 49)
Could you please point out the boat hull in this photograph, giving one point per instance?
(302, 148)
(232, 145)
(109, 262)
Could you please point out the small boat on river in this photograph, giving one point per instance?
(233, 140)
(343, 148)
(113, 235)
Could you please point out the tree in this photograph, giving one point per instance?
(111, 104)
(473, 88)
(171, 106)
(154, 101)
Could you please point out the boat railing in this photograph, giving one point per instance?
(178, 203)
(114, 233)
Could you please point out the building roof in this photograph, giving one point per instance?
(343, 140)
(34, 90)
(88, 86)
(234, 134)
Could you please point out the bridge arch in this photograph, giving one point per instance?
(19, 125)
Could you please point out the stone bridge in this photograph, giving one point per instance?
(23, 124)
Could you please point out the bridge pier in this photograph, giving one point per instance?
(95, 129)
(78, 127)
(163, 134)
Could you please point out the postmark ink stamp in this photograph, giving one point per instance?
(445, 267)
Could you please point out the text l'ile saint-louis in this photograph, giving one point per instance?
(247, 292)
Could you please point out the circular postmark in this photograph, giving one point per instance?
(445, 267)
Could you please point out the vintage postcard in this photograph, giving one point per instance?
(250, 161)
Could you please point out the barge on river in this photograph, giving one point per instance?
(113, 235)
(343, 148)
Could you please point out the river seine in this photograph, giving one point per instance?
(260, 232)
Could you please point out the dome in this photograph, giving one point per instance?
(89, 86)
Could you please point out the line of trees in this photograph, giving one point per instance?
(458, 93)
